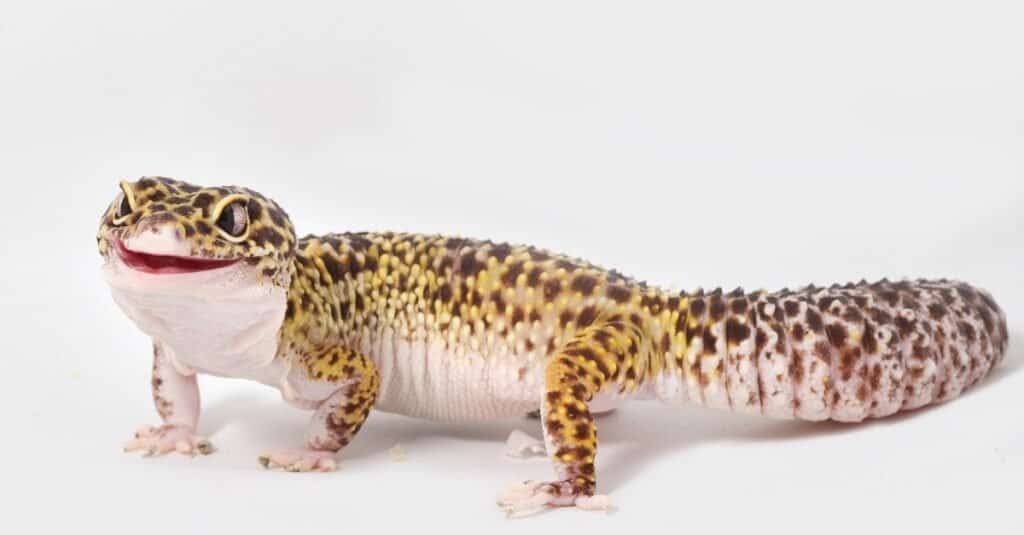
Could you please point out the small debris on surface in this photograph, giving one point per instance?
(397, 454)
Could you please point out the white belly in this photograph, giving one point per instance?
(421, 377)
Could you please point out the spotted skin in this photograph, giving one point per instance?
(344, 412)
(845, 352)
(603, 353)
(168, 404)
(810, 356)
(741, 373)
(772, 357)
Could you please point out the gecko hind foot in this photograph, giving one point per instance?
(520, 445)
(533, 496)
(168, 438)
(299, 460)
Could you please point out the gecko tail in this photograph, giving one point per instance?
(846, 352)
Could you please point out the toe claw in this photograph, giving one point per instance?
(204, 447)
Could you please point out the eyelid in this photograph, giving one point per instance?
(126, 190)
(225, 202)
(219, 208)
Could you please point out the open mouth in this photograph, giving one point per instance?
(165, 264)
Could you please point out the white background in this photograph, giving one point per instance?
(762, 144)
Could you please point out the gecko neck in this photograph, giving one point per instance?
(324, 293)
(223, 321)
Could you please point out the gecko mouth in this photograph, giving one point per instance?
(166, 264)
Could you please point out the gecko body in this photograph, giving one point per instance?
(455, 329)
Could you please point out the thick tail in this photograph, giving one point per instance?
(844, 352)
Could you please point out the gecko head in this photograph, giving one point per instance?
(160, 228)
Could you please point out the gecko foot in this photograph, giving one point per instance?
(532, 496)
(299, 460)
(168, 438)
(522, 446)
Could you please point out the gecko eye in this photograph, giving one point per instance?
(233, 219)
(123, 208)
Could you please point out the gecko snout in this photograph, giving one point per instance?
(158, 234)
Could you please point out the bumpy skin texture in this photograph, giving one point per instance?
(359, 305)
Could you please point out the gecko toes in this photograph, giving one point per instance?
(153, 441)
(299, 460)
(531, 497)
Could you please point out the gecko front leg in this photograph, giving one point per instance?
(176, 397)
(338, 418)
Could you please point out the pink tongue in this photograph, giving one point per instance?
(151, 263)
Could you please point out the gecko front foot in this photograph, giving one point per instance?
(532, 496)
(167, 438)
(299, 460)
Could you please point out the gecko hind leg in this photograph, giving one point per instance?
(522, 445)
(571, 380)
